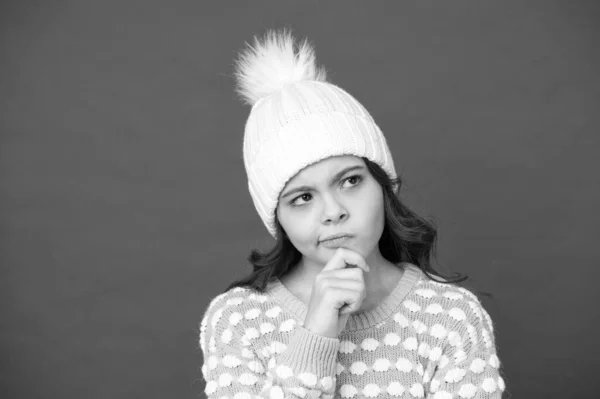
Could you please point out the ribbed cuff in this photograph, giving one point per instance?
(310, 352)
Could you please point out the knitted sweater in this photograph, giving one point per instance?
(424, 340)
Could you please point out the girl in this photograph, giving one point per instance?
(346, 304)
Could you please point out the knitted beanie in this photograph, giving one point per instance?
(297, 119)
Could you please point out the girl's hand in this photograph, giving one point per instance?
(338, 290)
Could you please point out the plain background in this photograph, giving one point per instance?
(124, 204)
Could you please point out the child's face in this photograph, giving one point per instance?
(332, 203)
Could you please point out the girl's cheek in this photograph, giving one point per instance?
(306, 220)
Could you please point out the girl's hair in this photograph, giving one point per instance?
(406, 237)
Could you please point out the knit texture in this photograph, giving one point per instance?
(425, 340)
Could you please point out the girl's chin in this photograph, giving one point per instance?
(330, 251)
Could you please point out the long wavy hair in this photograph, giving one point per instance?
(406, 237)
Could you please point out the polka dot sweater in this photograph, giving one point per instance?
(424, 340)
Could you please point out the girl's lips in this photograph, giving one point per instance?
(335, 242)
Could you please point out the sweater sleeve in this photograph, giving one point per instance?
(469, 367)
(234, 368)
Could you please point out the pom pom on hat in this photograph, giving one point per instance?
(273, 62)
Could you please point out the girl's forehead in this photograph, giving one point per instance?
(324, 169)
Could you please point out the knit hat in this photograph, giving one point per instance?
(297, 119)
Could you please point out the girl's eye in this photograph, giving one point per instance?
(304, 197)
(353, 180)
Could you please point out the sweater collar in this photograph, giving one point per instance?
(357, 321)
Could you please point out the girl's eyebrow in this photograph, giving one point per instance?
(335, 178)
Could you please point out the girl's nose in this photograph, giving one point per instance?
(333, 210)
